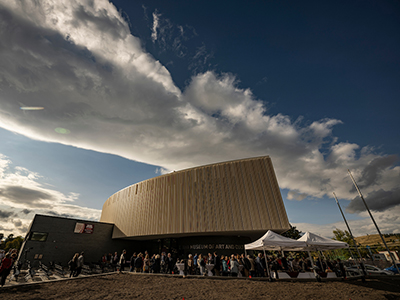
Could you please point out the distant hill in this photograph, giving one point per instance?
(374, 239)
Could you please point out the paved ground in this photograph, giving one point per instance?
(140, 286)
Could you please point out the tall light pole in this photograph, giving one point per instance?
(373, 220)
(351, 234)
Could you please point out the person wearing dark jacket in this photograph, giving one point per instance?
(170, 263)
(259, 265)
(139, 263)
(132, 263)
(157, 264)
(285, 265)
(247, 265)
(73, 263)
(217, 264)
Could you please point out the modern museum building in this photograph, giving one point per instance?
(217, 207)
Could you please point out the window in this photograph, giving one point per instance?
(38, 236)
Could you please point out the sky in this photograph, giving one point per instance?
(125, 91)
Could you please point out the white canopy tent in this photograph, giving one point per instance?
(318, 243)
(315, 242)
(308, 242)
(274, 241)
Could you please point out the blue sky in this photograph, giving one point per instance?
(148, 87)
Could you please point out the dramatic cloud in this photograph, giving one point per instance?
(19, 194)
(100, 90)
(22, 192)
(377, 200)
(5, 214)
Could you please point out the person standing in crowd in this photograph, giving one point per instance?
(79, 264)
(2, 255)
(139, 263)
(202, 264)
(5, 268)
(341, 268)
(241, 265)
(73, 264)
(169, 263)
(152, 261)
(252, 269)
(104, 259)
(224, 263)
(275, 266)
(195, 263)
(163, 260)
(122, 261)
(210, 259)
(217, 264)
(246, 264)
(190, 265)
(234, 266)
(146, 264)
(115, 260)
(284, 263)
(157, 264)
(259, 266)
(132, 263)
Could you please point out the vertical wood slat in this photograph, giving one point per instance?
(230, 196)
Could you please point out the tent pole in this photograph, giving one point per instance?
(351, 234)
(266, 262)
(320, 260)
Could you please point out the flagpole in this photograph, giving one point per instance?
(373, 220)
(351, 234)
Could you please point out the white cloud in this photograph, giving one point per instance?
(296, 196)
(162, 171)
(156, 18)
(78, 60)
(22, 195)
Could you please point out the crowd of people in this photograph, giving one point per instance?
(222, 265)
(76, 264)
(7, 262)
(235, 265)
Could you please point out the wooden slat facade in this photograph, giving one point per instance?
(235, 196)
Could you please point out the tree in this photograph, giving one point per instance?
(15, 243)
(12, 243)
(292, 233)
(343, 236)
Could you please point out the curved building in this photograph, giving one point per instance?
(218, 207)
(239, 198)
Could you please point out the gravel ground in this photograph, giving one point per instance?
(137, 286)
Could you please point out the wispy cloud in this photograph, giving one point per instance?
(79, 61)
(156, 18)
(169, 36)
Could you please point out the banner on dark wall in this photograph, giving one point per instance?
(84, 228)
